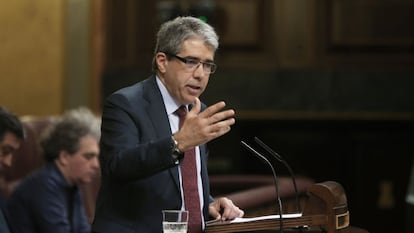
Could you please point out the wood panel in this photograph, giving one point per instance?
(366, 34)
(32, 56)
(245, 33)
(372, 24)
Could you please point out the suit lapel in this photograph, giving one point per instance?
(159, 119)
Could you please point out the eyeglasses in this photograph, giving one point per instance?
(192, 63)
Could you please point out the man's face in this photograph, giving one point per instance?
(182, 83)
(84, 164)
(8, 146)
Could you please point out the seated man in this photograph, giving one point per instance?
(11, 134)
(49, 200)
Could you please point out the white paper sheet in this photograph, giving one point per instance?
(277, 216)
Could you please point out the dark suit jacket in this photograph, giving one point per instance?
(139, 176)
(4, 225)
(44, 202)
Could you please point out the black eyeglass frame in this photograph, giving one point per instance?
(195, 62)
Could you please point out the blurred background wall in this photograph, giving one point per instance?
(327, 83)
(32, 56)
(45, 60)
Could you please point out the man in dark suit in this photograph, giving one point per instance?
(143, 148)
(11, 135)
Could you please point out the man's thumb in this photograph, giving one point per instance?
(196, 107)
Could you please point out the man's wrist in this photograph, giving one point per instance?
(176, 153)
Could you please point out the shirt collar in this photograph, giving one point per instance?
(170, 104)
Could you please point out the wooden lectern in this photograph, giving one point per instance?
(326, 209)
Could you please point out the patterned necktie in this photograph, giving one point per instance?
(189, 179)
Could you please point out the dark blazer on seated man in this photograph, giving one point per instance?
(44, 202)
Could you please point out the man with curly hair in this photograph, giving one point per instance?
(49, 200)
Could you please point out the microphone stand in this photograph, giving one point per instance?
(280, 159)
(279, 202)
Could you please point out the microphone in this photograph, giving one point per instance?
(280, 159)
(264, 159)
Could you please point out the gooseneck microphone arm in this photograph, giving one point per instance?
(280, 159)
(264, 159)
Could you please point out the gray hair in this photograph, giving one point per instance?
(67, 131)
(173, 33)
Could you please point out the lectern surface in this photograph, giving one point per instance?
(349, 229)
(326, 210)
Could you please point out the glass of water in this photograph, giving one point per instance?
(174, 221)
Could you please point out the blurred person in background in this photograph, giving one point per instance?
(49, 199)
(11, 135)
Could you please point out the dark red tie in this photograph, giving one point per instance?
(189, 179)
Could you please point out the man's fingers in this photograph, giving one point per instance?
(210, 111)
(220, 116)
(222, 126)
(230, 211)
(214, 212)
